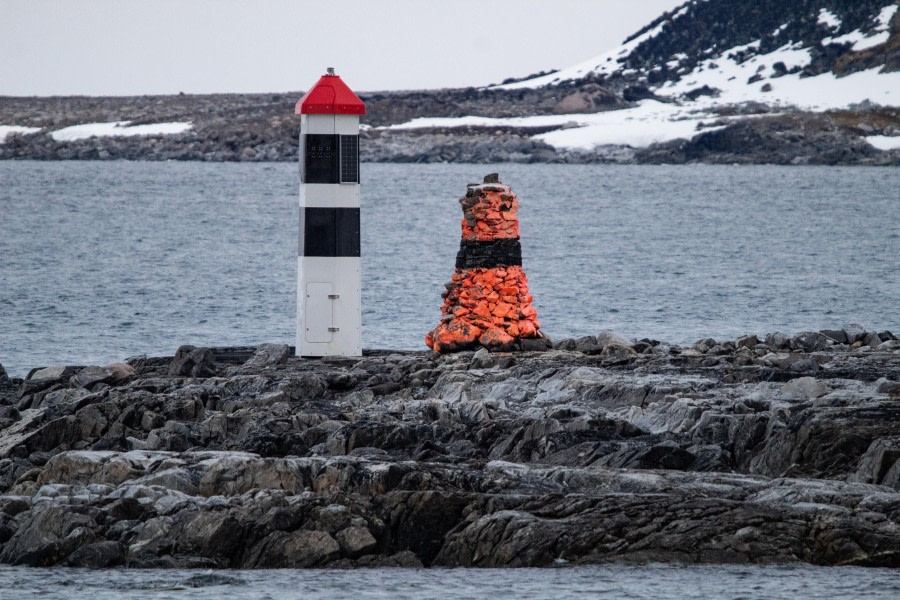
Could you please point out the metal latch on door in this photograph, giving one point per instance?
(334, 297)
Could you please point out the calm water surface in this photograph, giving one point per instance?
(104, 260)
(651, 582)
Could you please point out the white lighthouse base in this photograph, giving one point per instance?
(328, 306)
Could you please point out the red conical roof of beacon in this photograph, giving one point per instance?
(330, 96)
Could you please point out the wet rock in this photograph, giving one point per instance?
(535, 344)
(51, 373)
(872, 340)
(838, 335)
(616, 355)
(587, 345)
(268, 355)
(90, 376)
(748, 341)
(193, 362)
(465, 459)
(805, 365)
(101, 555)
(804, 387)
(778, 341)
(297, 550)
(809, 341)
(355, 541)
(403, 559)
(886, 386)
(212, 579)
(47, 534)
(481, 360)
(854, 332)
(880, 464)
(703, 346)
(608, 338)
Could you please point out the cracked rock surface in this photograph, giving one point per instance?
(785, 449)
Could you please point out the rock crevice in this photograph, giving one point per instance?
(600, 449)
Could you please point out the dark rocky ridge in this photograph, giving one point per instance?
(775, 450)
(262, 127)
(711, 27)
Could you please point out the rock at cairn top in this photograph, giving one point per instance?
(487, 303)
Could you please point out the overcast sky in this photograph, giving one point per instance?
(123, 47)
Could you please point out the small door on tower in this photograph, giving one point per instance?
(319, 313)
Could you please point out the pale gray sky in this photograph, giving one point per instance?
(124, 47)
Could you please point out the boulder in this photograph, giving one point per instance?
(872, 340)
(809, 341)
(778, 341)
(90, 376)
(268, 355)
(807, 388)
(838, 335)
(193, 362)
(608, 338)
(56, 373)
(748, 341)
(886, 386)
(356, 541)
(880, 464)
(100, 555)
(854, 332)
(297, 550)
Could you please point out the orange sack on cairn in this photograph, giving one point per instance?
(487, 302)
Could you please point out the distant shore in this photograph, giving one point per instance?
(264, 128)
(780, 449)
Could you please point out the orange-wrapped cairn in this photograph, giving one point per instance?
(487, 301)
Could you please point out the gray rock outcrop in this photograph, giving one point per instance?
(601, 449)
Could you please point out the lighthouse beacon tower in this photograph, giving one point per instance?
(328, 263)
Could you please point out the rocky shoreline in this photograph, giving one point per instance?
(782, 449)
(263, 128)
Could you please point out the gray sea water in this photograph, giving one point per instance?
(620, 582)
(104, 260)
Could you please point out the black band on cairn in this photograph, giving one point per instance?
(487, 255)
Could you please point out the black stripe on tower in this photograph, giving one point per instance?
(496, 253)
(329, 158)
(329, 232)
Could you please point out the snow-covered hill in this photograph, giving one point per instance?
(686, 73)
(718, 81)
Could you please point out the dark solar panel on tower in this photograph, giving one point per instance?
(349, 159)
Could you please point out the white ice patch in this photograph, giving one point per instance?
(6, 130)
(884, 142)
(858, 40)
(821, 92)
(861, 41)
(117, 128)
(884, 17)
(648, 123)
(829, 19)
